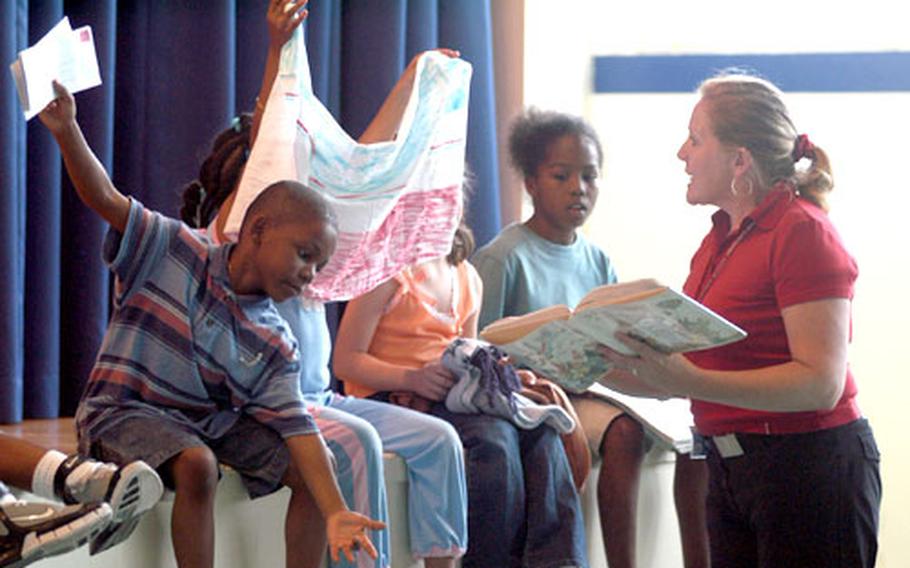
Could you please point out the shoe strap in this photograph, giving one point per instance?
(67, 467)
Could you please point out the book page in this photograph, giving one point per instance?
(513, 328)
(620, 293)
(670, 322)
(669, 420)
(561, 354)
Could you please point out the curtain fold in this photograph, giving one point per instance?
(12, 174)
(174, 75)
(43, 226)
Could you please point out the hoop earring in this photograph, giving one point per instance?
(734, 191)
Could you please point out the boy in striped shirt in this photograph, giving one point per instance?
(197, 367)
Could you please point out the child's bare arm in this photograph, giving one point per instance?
(92, 183)
(282, 18)
(345, 530)
(354, 362)
(385, 124)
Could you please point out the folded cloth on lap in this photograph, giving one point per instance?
(487, 385)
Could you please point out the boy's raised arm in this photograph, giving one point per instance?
(91, 181)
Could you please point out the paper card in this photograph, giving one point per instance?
(63, 54)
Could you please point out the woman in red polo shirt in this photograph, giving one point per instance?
(793, 464)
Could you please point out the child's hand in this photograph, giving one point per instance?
(60, 112)
(432, 381)
(407, 77)
(283, 18)
(346, 532)
(526, 377)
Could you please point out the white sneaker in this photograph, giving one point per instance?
(133, 490)
(31, 531)
(130, 490)
(83, 480)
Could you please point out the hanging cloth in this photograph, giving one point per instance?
(398, 203)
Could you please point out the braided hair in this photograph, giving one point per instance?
(219, 173)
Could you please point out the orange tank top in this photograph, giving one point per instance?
(412, 331)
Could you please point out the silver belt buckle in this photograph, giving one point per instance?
(728, 446)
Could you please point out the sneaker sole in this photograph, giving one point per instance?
(64, 538)
(136, 491)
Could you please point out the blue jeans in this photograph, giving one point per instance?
(523, 509)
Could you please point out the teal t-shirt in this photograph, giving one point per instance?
(523, 272)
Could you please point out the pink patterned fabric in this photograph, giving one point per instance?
(397, 203)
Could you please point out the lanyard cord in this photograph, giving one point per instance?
(719, 265)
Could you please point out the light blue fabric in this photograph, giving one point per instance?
(358, 431)
(523, 272)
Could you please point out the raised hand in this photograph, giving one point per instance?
(347, 533)
(60, 112)
(407, 77)
(385, 124)
(282, 18)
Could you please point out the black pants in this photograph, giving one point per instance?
(802, 500)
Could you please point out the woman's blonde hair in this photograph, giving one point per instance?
(749, 112)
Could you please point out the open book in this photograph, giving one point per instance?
(563, 345)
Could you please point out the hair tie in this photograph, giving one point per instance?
(803, 148)
(237, 124)
(200, 204)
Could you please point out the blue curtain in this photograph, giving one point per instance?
(174, 74)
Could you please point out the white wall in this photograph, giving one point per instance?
(642, 219)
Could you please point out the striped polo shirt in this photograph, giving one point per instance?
(182, 346)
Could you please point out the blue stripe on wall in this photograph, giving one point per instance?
(794, 72)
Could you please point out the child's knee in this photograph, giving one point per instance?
(195, 471)
(444, 438)
(624, 434)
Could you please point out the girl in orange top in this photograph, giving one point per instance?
(523, 509)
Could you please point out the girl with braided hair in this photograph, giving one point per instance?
(357, 431)
(219, 174)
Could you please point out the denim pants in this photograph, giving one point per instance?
(523, 510)
(796, 500)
